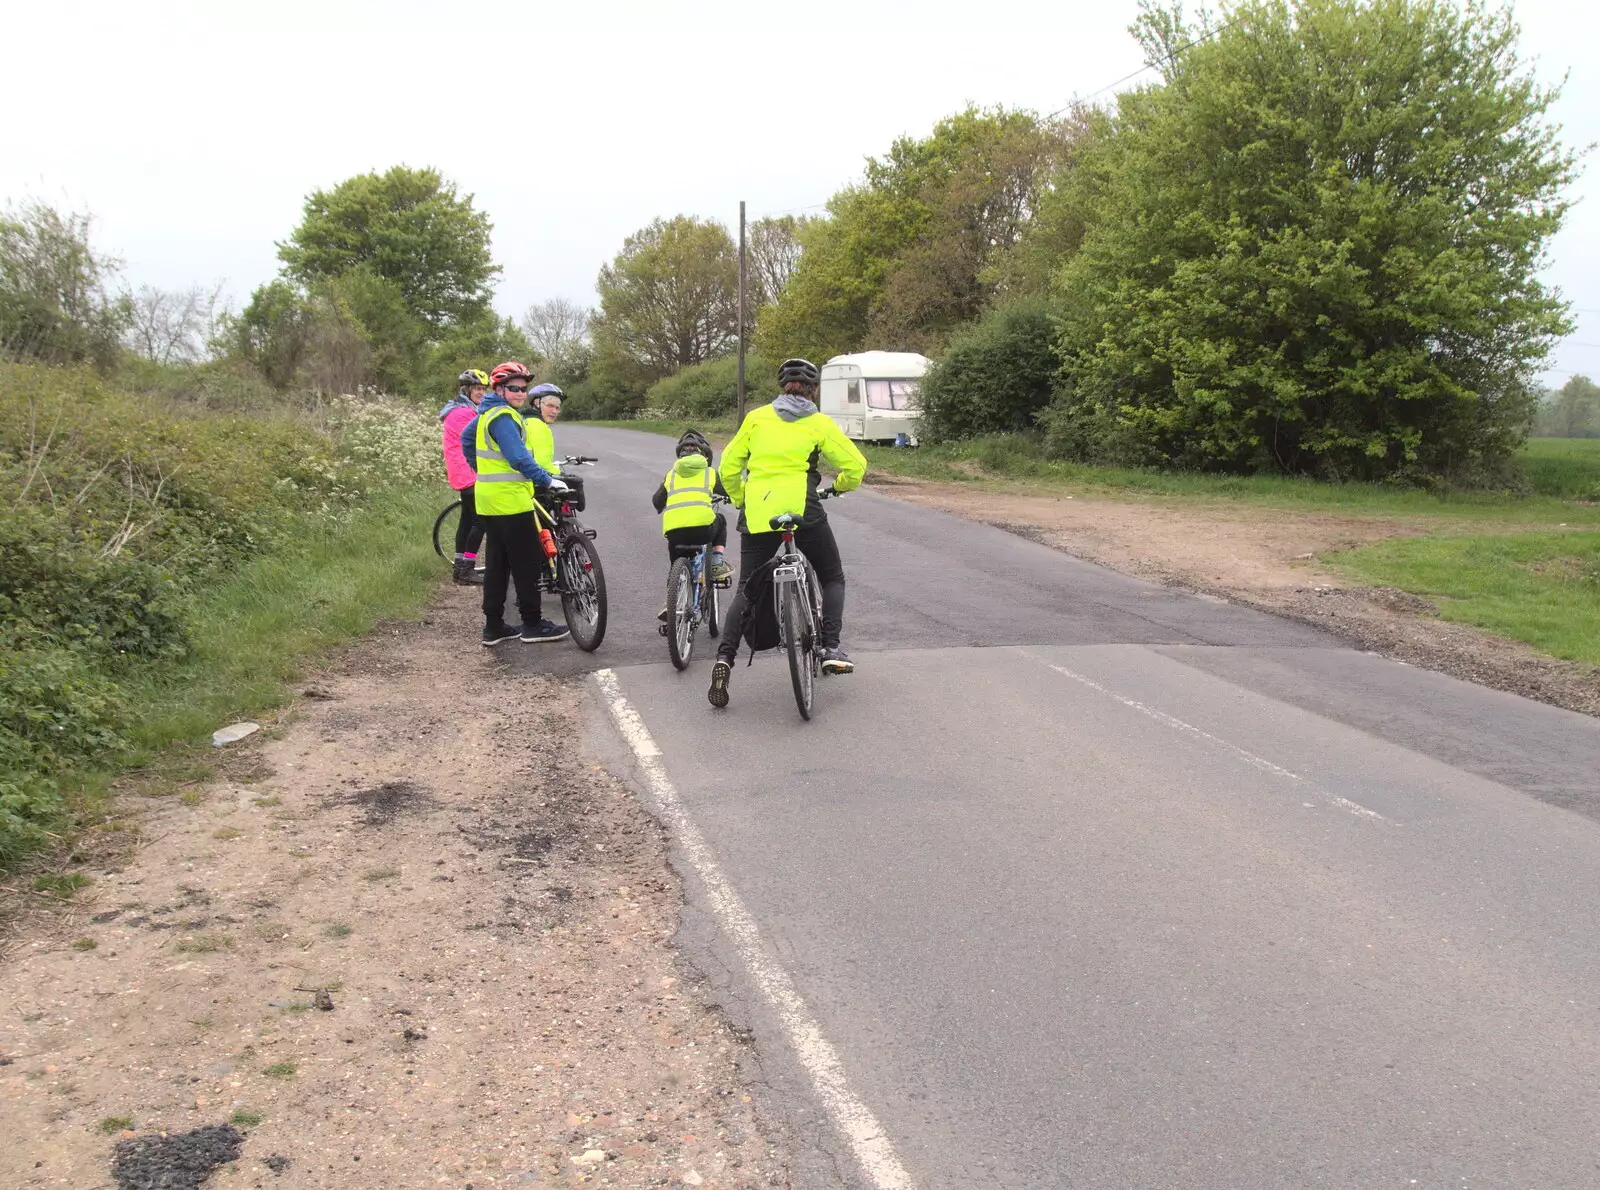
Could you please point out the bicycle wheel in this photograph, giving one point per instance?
(444, 531)
(709, 609)
(801, 645)
(680, 613)
(583, 592)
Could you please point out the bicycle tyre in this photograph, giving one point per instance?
(710, 609)
(800, 644)
(680, 614)
(444, 539)
(583, 592)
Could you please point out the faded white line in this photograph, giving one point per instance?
(1260, 762)
(852, 1117)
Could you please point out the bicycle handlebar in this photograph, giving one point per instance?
(578, 460)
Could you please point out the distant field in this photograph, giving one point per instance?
(1567, 468)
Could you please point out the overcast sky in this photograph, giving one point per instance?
(193, 131)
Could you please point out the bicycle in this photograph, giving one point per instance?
(573, 570)
(797, 596)
(691, 600)
(444, 525)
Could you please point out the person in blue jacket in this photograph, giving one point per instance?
(508, 474)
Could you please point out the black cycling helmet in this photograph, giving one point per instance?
(694, 440)
(472, 378)
(801, 371)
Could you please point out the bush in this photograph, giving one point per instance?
(1316, 249)
(995, 377)
(707, 390)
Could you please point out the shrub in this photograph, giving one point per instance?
(1316, 248)
(706, 390)
(995, 377)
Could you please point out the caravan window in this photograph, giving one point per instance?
(891, 394)
(852, 392)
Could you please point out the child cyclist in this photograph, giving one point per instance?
(684, 502)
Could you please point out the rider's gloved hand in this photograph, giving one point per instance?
(558, 487)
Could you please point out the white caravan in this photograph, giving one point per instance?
(873, 394)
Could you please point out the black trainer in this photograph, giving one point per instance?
(836, 661)
(720, 673)
(493, 636)
(464, 573)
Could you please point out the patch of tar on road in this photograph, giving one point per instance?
(175, 1161)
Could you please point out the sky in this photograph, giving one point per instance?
(193, 131)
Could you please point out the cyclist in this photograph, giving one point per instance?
(684, 502)
(494, 443)
(546, 402)
(469, 529)
(771, 468)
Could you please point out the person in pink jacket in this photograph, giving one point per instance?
(469, 529)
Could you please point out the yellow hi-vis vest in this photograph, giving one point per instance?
(501, 489)
(689, 485)
(541, 443)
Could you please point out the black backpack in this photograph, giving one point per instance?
(760, 608)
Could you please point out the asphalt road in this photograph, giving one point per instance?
(1094, 884)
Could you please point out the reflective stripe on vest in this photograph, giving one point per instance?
(502, 490)
(688, 503)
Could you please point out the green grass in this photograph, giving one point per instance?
(283, 1070)
(1568, 468)
(114, 1124)
(255, 632)
(1540, 588)
(246, 1119)
(1017, 461)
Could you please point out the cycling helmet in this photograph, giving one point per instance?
(546, 390)
(802, 371)
(473, 378)
(510, 370)
(694, 440)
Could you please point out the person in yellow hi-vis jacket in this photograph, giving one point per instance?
(685, 501)
(772, 467)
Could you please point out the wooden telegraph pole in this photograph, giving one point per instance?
(741, 312)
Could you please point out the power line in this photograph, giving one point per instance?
(1220, 29)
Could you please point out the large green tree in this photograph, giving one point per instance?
(408, 227)
(1316, 246)
(55, 298)
(670, 297)
(910, 253)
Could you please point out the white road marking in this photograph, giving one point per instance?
(853, 1119)
(1342, 803)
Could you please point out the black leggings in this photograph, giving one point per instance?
(514, 552)
(469, 528)
(817, 544)
(714, 534)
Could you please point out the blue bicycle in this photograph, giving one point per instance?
(691, 601)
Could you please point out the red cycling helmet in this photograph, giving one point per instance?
(510, 370)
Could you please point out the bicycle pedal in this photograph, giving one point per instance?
(723, 584)
(661, 629)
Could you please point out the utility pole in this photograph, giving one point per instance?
(741, 311)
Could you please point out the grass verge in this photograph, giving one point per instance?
(1539, 588)
(255, 631)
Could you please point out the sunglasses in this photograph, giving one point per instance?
(516, 388)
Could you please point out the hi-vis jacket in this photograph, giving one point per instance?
(772, 466)
(507, 473)
(687, 492)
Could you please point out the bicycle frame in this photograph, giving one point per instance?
(792, 569)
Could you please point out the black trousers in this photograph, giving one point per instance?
(715, 534)
(469, 529)
(514, 552)
(817, 544)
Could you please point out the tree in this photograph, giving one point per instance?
(173, 325)
(408, 227)
(909, 254)
(54, 300)
(670, 298)
(1573, 411)
(1316, 248)
(772, 250)
(272, 333)
(555, 325)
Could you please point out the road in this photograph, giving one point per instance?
(1088, 883)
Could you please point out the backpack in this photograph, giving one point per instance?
(760, 608)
